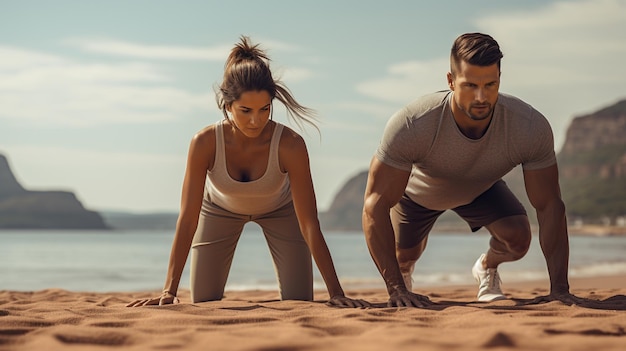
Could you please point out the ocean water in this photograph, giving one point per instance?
(107, 261)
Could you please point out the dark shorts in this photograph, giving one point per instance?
(412, 222)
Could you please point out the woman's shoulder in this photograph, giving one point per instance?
(289, 138)
(292, 151)
(205, 137)
(207, 132)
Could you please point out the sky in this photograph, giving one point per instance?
(102, 98)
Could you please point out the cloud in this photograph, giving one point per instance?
(562, 44)
(47, 89)
(292, 74)
(407, 80)
(217, 53)
(564, 58)
(272, 44)
(115, 47)
(589, 19)
(27, 70)
(14, 58)
(38, 87)
(152, 52)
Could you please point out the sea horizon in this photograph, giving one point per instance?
(111, 260)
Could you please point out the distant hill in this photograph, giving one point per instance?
(592, 166)
(344, 212)
(26, 209)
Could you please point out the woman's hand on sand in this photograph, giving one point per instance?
(166, 298)
(405, 298)
(342, 301)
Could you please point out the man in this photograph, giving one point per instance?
(449, 150)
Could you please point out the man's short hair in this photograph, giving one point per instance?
(476, 49)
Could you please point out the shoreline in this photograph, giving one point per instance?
(438, 228)
(597, 230)
(579, 230)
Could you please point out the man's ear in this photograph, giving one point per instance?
(450, 78)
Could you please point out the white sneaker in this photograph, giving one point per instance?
(488, 282)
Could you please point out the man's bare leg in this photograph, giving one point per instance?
(510, 240)
(406, 260)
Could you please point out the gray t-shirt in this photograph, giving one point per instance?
(449, 169)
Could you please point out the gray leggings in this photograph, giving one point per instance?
(214, 245)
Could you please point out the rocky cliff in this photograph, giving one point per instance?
(25, 209)
(592, 167)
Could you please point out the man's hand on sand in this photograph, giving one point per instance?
(342, 301)
(564, 297)
(405, 298)
(164, 299)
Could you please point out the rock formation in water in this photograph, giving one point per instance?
(26, 209)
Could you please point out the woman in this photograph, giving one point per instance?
(249, 168)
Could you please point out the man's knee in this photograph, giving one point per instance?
(514, 232)
(519, 248)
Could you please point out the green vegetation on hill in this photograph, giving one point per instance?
(593, 199)
(603, 155)
(593, 183)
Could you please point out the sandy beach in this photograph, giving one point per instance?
(54, 319)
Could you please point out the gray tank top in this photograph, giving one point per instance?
(259, 196)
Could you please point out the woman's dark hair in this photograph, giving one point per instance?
(247, 69)
(476, 49)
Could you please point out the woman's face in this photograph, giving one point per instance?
(251, 112)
